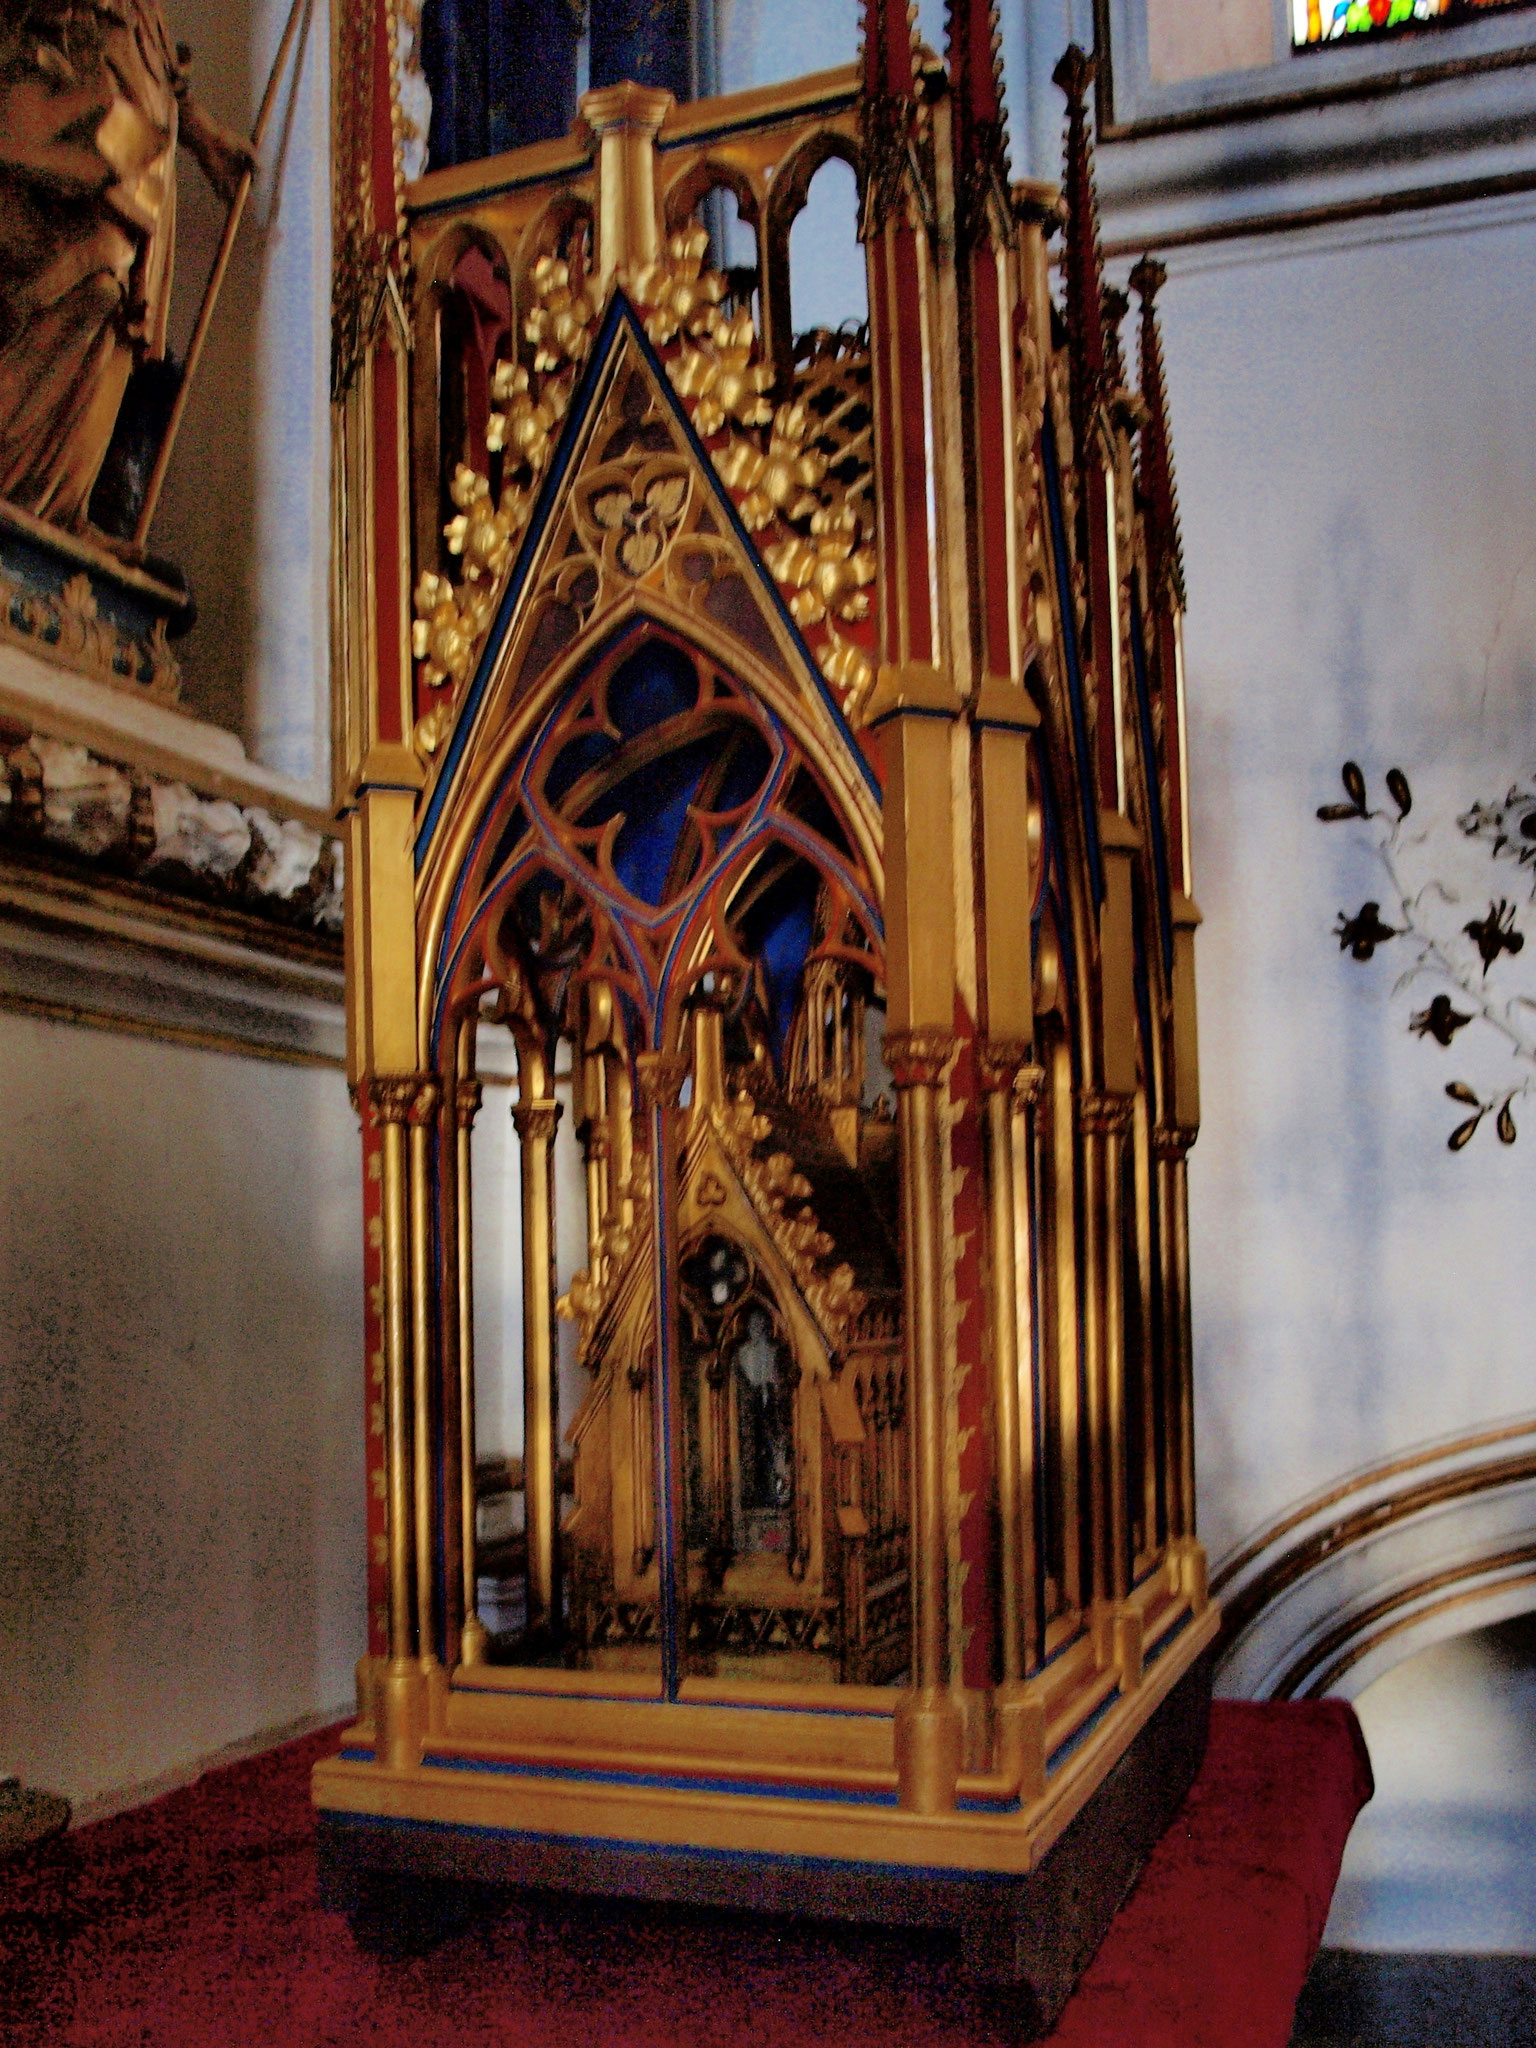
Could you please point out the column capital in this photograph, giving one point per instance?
(536, 1121)
(468, 1095)
(399, 1098)
(1004, 1067)
(662, 1075)
(625, 105)
(426, 1103)
(1172, 1141)
(1101, 1114)
(918, 1059)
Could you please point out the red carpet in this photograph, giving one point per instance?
(194, 1921)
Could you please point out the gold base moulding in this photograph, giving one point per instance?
(724, 1799)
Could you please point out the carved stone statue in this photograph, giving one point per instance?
(93, 99)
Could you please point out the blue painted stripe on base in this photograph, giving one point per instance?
(1079, 1736)
(660, 1781)
(656, 1699)
(749, 1859)
(1166, 1641)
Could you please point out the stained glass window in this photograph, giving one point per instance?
(1325, 21)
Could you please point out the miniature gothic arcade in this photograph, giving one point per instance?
(775, 740)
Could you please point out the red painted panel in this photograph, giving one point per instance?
(912, 426)
(375, 1390)
(978, 1546)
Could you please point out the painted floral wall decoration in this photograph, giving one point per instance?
(1456, 952)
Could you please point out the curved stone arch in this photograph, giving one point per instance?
(1455, 1599)
(1351, 1580)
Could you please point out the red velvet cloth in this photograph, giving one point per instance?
(194, 1921)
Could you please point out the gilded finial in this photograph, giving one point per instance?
(1084, 271)
(1164, 545)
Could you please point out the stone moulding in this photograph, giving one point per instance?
(65, 799)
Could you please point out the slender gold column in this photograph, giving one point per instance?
(1010, 1083)
(536, 1117)
(466, 1105)
(1103, 1120)
(423, 1118)
(390, 1099)
(929, 1729)
(622, 121)
(1172, 1151)
(661, 1076)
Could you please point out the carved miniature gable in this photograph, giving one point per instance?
(733, 1184)
(635, 516)
(737, 1181)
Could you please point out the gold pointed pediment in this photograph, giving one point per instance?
(636, 514)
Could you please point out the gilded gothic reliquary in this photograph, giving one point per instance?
(776, 738)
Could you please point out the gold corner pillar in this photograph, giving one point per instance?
(405, 1107)
(919, 1046)
(929, 1724)
(1011, 1084)
(426, 1103)
(537, 1116)
(1004, 720)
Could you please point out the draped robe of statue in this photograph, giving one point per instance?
(89, 103)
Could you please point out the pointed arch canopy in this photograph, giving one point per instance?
(621, 334)
(661, 824)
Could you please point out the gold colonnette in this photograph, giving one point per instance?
(466, 1103)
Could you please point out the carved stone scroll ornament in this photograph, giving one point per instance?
(62, 798)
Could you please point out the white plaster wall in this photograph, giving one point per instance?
(245, 512)
(1354, 421)
(1440, 1860)
(181, 1485)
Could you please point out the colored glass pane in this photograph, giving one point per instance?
(1326, 21)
